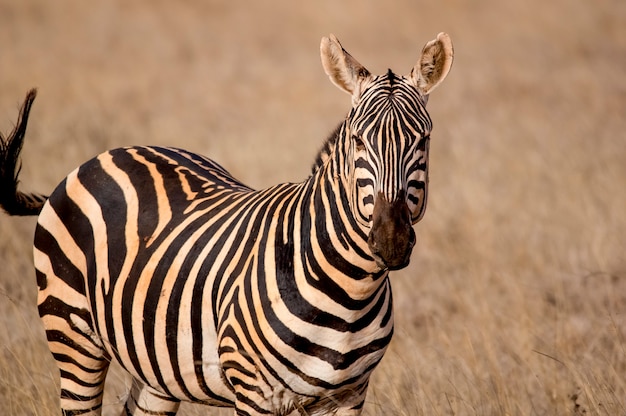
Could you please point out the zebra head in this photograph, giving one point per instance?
(385, 140)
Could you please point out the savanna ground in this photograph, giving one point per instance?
(515, 299)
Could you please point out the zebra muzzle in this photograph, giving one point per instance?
(392, 237)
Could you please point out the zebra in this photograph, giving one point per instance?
(274, 301)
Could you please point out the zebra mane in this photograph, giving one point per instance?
(326, 149)
(391, 76)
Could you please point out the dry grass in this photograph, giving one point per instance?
(515, 300)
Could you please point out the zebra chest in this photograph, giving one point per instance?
(290, 359)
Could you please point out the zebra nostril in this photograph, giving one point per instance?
(372, 243)
(392, 238)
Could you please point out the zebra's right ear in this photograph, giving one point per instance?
(342, 69)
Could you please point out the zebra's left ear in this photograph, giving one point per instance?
(342, 69)
(434, 64)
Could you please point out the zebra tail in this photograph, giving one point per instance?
(12, 201)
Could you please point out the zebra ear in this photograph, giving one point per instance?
(434, 64)
(342, 69)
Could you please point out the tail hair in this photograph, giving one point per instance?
(12, 201)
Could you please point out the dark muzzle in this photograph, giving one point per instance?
(392, 238)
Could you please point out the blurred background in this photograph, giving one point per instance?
(515, 299)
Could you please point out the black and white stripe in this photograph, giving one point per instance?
(274, 301)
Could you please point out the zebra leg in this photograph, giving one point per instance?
(79, 355)
(144, 400)
(349, 411)
(82, 382)
(353, 404)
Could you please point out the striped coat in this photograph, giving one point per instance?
(275, 301)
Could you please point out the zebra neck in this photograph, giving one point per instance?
(334, 245)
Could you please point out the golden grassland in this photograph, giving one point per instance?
(515, 299)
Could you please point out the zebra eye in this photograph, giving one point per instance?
(358, 143)
(421, 143)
